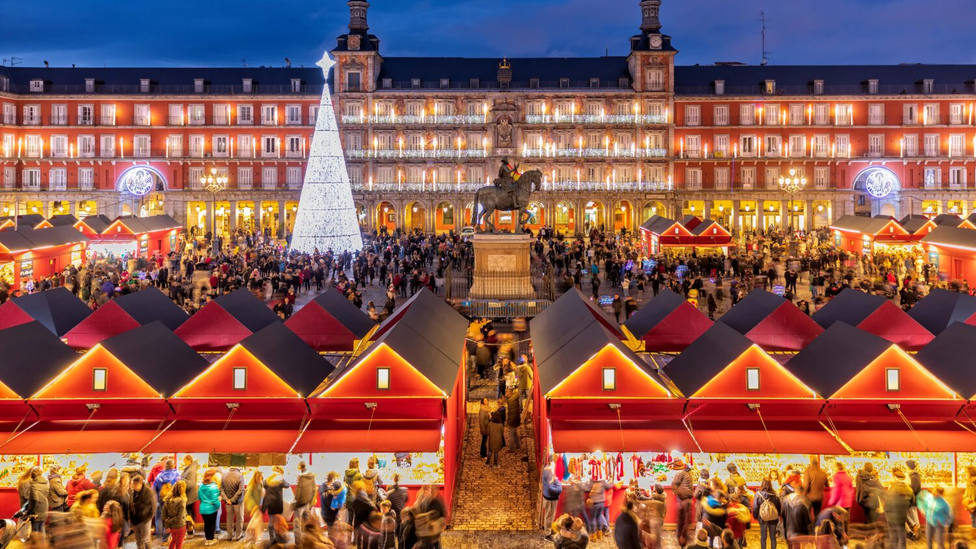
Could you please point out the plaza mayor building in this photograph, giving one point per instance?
(619, 138)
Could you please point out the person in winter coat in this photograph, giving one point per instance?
(39, 493)
(868, 491)
(255, 492)
(797, 520)
(626, 529)
(305, 489)
(496, 436)
(361, 505)
(56, 495)
(397, 496)
(189, 476)
(897, 499)
(552, 487)
(938, 516)
(513, 415)
(114, 523)
(833, 520)
(86, 504)
(408, 531)
(273, 502)
(110, 489)
(232, 495)
(841, 489)
(484, 418)
(682, 486)
(570, 533)
(814, 484)
(209, 495)
(77, 483)
(168, 475)
(175, 514)
(767, 497)
(141, 511)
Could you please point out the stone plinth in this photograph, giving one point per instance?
(502, 267)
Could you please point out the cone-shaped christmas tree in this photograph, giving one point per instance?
(326, 217)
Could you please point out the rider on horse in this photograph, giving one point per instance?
(507, 177)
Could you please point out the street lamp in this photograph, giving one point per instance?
(792, 184)
(213, 184)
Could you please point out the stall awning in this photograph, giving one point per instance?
(374, 440)
(878, 437)
(76, 441)
(607, 436)
(780, 441)
(240, 441)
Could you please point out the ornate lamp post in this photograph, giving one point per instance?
(213, 184)
(792, 184)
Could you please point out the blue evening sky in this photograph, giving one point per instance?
(226, 33)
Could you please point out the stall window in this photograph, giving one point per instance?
(609, 379)
(240, 379)
(99, 379)
(382, 378)
(892, 379)
(752, 379)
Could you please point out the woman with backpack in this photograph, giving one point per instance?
(766, 509)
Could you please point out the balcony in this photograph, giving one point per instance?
(594, 153)
(596, 119)
(415, 153)
(453, 119)
(561, 186)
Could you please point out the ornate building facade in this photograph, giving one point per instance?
(618, 138)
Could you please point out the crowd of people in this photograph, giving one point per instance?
(159, 506)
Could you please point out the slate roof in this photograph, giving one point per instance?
(850, 306)
(940, 308)
(947, 220)
(912, 223)
(62, 219)
(250, 311)
(148, 224)
(460, 71)
(158, 356)
(568, 316)
(952, 236)
(705, 224)
(705, 358)
(950, 358)
(836, 356)
(751, 310)
(345, 312)
(176, 80)
(58, 309)
(837, 79)
(97, 223)
(653, 312)
(150, 305)
(862, 224)
(27, 239)
(27, 221)
(289, 357)
(658, 224)
(32, 356)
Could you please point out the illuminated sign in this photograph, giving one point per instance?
(877, 181)
(140, 180)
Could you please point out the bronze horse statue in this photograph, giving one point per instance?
(489, 198)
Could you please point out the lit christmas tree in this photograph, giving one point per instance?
(326, 217)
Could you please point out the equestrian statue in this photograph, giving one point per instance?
(511, 192)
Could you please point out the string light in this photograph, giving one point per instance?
(326, 217)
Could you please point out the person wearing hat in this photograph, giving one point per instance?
(681, 485)
(897, 500)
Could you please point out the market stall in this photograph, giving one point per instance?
(952, 220)
(27, 221)
(940, 308)
(330, 322)
(31, 254)
(61, 220)
(667, 323)
(225, 321)
(875, 314)
(774, 323)
(659, 233)
(402, 400)
(917, 226)
(58, 310)
(953, 253)
(93, 226)
(866, 235)
(125, 313)
(133, 236)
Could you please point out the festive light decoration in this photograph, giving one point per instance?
(326, 218)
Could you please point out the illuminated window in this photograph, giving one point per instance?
(383, 378)
(752, 379)
(99, 379)
(609, 379)
(240, 379)
(892, 379)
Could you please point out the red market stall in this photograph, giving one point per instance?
(28, 221)
(667, 323)
(225, 321)
(93, 226)
(710, 234)
(58, 310)
(658, 233)
(772, 322)
(917, 226)
(32, 254)
(402, 399)
(952, 220)
(330, 322)
(953, 252)
(61, 220)
(874, 314)
(126, 313)
(859, 234)
(941, 308)
(143, 237)
(951, 359)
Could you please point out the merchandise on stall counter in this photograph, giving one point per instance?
(936, 469)
(753, 467)
(12, 467)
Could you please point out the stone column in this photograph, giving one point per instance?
(210, 217)
(281, 219)
(233, 216)
(736, 221)
(708, 209)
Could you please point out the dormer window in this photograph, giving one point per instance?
(414, 82)
(37, 85)
(382, 379)
(99, 379)
(623, 82)
(818, 87)
(594, 82)
(534, 83)
(445, 83)
(143, 85)
(873, 86)
(247, 84)
(609, 379)
(564, 82)
(752, 379)
(89, 85)
(720, 87)
(474, 83)
(387, 83)
(770, 87)
(198, 85)
(928, 85)
(240, 379)
(892, 379)
(296, 85)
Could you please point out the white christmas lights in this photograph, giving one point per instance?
(326, 218)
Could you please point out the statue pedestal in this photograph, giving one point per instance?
(502, 267)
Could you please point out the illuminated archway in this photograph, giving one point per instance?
(564, 218)
(361, 216)
(653, 208)
(537, 216)
(386, 217)
(593, 215)
(140, 180)
(623, 216)
(444, 218)
(415, 216)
